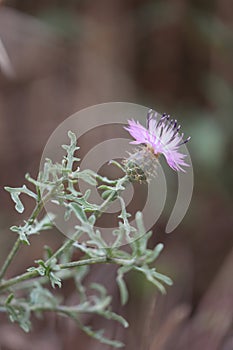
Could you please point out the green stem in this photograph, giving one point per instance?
(104, 259)
(36, 212)
(105, 204)
(98, 260)
(78, 263)
(67, 244)
(10, 257)
(12, 281)
(17, 244)
(31, 274)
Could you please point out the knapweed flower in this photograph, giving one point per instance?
(160, 137)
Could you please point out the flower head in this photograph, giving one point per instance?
(161, 137)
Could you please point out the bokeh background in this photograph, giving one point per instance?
(175, 56)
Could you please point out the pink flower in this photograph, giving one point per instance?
(161, 137)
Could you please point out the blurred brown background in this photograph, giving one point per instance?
(57, 57)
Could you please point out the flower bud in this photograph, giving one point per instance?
(141, 165)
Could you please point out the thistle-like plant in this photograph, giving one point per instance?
(58, 182)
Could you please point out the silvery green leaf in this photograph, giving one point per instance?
(55, 280)
(100, 288)
(22, 234)
(98, 335)
(121, 254)
(106, 194)
(153, 255)
(44, 224)
(163, 278)
(82, 271)
(92, 219)
(140, 225)
(78, 211)
(119, 233)
(105, 180)
(70, 149)
(121, 283)
(105, 187)
(110, 315)
(139, 245)
(19, 313)
(35, 182)
(15, 197)
(48, 252)
(72, 137)
(151, 277)
(123, 290)
(88, 176)
(124, 216)
(82, 201)
(15, 193)
(34, 228)
(117, 164)
(42, 296)
(96, 239)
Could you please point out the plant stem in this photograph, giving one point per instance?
(36, 212)
(98, 260)
(78, 263)
(17, 244)
(67, 244)
(104, 205)
(31, 274)
(10, 257)
(63, 275)
(18, 279)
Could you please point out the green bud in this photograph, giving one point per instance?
(141, 166)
